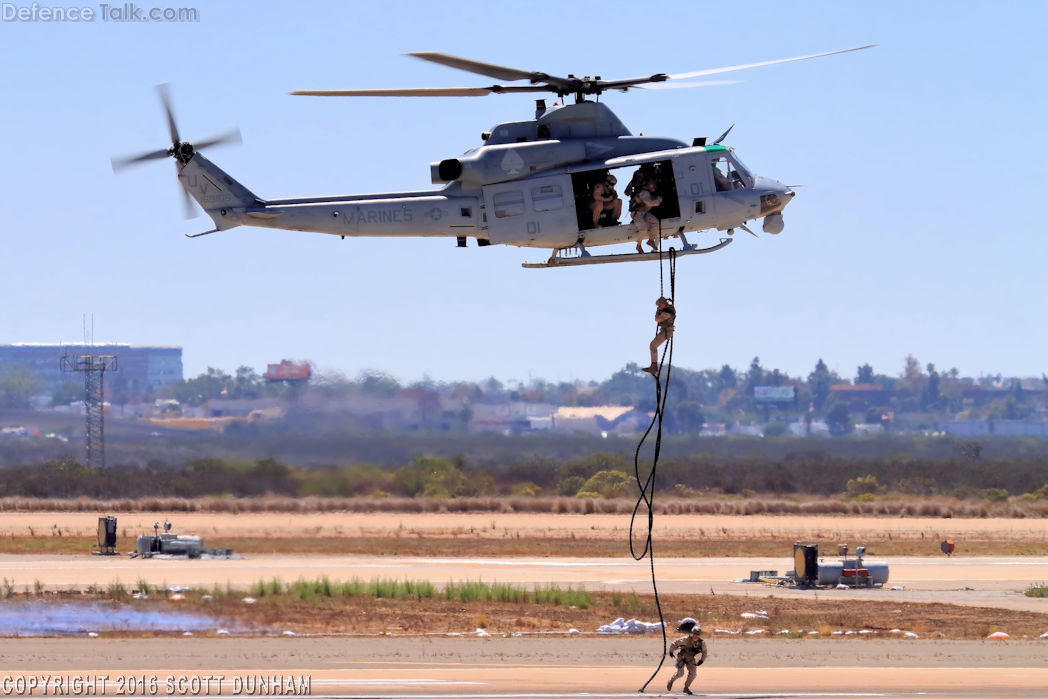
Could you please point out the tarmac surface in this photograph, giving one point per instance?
(527, 666)
(551, 665)
(986, 581)
(425, 666)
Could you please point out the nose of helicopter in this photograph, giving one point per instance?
(774, 194)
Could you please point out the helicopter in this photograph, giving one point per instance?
(530, 184)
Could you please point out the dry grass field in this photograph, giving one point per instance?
(831, 619)
(512, 533)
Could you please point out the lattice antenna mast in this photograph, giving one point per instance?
(93, 367)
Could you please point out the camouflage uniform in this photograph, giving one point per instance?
(645, 223)
(687, 647)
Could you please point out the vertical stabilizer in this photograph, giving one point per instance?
(216, 192)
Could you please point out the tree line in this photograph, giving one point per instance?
(598, 475)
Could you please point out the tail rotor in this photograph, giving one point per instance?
(181, 151)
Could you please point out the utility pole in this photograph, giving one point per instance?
(93, 367)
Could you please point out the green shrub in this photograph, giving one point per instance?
(862, 485)
(605, 484)
(570, 486)
(527, 490)
(775, 429)
(1039, 590)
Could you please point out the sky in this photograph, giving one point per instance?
(919, 229)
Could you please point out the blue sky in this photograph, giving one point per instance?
(919, 230)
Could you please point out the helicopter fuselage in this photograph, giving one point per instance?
(530, 185)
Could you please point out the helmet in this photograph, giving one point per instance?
(611, 179)
(696, 629)
(687, 624)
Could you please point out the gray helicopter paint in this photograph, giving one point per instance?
(454, 210)
(531, 227)
(212, 187)
(231, 204)
(500, 163)
(534, 159)
(574, 121)
(466, 206)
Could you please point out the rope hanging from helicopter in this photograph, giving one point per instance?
(647, 487)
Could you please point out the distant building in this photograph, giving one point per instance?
(142, 369)
(986, 428)
(510, 418)
(599, 420)
(861, 395)
(288, 370)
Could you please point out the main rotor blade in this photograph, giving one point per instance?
(714, 71)
(425, 91)
(165, 98)
(682, 85)
(489, 69)
(406, 92)
(232, 136)
(127, 161)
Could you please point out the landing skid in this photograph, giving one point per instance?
(590, 259)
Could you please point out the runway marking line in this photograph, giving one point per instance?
(362, 664)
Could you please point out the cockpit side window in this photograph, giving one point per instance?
(721, 174)
(728, 174)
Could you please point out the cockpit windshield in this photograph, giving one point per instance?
(743, 171)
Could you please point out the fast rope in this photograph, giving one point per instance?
(647, 487)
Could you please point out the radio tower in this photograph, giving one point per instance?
(93, 367)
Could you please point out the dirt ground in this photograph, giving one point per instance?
(416, 656)
(828, 528)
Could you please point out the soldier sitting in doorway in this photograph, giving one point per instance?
(606, 206)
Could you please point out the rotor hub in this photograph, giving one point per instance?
(183, 152)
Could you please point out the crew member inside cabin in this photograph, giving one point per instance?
(606, 206)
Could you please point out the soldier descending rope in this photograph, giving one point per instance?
(665, 315)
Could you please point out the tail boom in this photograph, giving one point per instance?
(409, 214)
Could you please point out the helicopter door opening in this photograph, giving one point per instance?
(665, 187)
(598, 203)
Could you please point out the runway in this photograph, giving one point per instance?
(524, 667)
(543, 666)
(997, 581)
